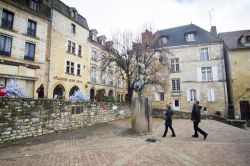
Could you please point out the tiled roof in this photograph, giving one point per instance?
(232, 39)
(176, 36)
(65, 10)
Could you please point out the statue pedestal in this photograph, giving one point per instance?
(142, 115)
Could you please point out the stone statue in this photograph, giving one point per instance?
(140, 72)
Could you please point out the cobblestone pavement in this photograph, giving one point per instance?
(115, 144)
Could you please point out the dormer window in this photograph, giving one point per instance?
(73, 13)
(190, 37)
(93, 35)
(101, 40)
(163, 41)
(34, 5)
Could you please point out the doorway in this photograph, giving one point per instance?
(244, 110)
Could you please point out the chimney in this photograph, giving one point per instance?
(213, 30)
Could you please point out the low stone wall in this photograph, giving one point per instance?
(20, 118)
(158, 113)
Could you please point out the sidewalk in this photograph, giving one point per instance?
(115, 144)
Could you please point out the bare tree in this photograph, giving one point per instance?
(128, 51)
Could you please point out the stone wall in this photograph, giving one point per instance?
(20, 118)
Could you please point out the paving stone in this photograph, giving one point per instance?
(114, 143)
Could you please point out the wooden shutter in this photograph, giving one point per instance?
(188, 95)
(212, 95)
(215, 73)
(208, 95)
(198, 94)
(199, 75)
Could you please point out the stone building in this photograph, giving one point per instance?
(68, 60)
(106, 79)
(237, 58)
(24, 43)
(197, 70)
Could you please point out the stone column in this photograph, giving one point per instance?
(142, 115)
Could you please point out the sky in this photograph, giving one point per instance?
(110, 16)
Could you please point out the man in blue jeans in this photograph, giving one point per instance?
(196, 118)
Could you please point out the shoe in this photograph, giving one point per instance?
(195, 136)
(173, 135)
(164, 136)
(205, 136)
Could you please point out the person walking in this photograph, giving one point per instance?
(40, 91)
(196, 118)
(168, 121)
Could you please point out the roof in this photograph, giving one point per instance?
(65, 10)
(232, 39)
(176, 36)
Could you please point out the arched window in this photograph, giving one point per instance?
(72, 90)
(58, 92)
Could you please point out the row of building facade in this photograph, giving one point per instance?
(47, 42)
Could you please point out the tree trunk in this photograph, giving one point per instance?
(130, 90)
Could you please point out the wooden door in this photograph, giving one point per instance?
(244, 110)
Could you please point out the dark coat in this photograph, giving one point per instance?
(196, 113)
(169, 114)
(40, 92)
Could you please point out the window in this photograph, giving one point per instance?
(176, 103)
(73, 28)
(73, 47)
(34, 5)
(210, 95)
(110, 78)
(70, 67)
(79, 50)
(29, 53)
(175, 66)
(69, 46)
(206, 73)
(93, 74)
(248, 39)
(5, 45)
(31, 30)
(102, 77)
(7, 19)
(193, 95)
(204, 54)
(190, 37)
(163, 41)
(78, 69)
(176, 85)
(94, 55)
(159, 96)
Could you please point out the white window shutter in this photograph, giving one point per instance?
(215, 73)
(188, 95)
(198, 94)
(212, 95)
(208, 95)
(199, 75)
(157, 98)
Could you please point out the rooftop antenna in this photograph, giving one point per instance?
(211, 16)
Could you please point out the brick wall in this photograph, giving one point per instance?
(20, 118)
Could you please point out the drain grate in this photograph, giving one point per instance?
(151, 140)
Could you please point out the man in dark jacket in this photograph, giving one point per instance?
(168, 121)
(196, 118)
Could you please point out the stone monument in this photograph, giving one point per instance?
(141, 105)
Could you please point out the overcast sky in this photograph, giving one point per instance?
(107, 16)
